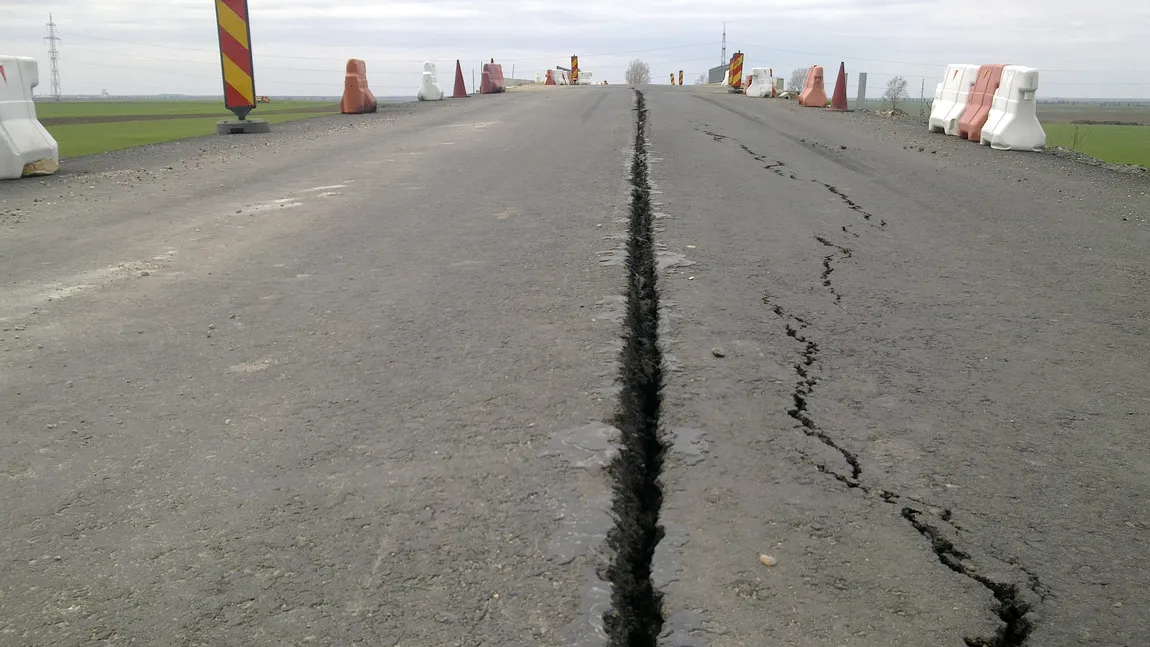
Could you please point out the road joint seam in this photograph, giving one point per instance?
(635, 618)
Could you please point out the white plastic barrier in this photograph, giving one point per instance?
(429, 89)
(950, 98)
(762, 83)
(1013, 121)
(26, 148)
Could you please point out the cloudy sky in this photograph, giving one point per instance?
(1084, 49)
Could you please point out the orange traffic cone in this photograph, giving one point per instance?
(839, 99)
(460, 86)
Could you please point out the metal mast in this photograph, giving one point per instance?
(53, 57)
(724, 60)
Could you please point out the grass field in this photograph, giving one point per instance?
(88, 139)
(87, 128)
(49, 111)
(1118, 144)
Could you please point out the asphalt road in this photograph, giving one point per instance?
(359, 382)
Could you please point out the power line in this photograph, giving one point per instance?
(210, 76)
(259, 67)
(53, 57)
(637, 51)
(1043, 83)
(416, 62)
(53, 39)
(932, 65)
(605, 54)
(215, 50)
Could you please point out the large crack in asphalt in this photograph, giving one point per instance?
(1009, 601)
(828, 264)
(777, 166)
(807, 368)
(635, 618)
(1010, 606)
(852, 205)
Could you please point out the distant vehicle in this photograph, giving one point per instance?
(263, 99)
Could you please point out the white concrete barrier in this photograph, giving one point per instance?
(1013, 121)
(762, 83)
(429, 89)
(26, 148)
(950, 98)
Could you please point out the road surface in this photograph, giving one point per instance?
(366, 381)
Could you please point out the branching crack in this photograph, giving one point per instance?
(635, 618)
(1010, 606)
(1011, 609)
(828, 269)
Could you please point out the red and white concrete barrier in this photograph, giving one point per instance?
(1013, 121)
(994, 105)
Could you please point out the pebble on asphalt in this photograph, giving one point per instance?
(767, 560)
(718, 352)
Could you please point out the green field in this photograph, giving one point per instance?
(76, 109)
(87, 128)
(1118, 144)
(76, 140)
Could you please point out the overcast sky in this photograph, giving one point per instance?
(1084, 49)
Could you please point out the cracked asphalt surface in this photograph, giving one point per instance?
(354, 382)
(928, 407)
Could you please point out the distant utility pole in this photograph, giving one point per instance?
(53, 57)
(922, 100)
(724, 60)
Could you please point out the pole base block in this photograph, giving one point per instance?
(242, 127)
